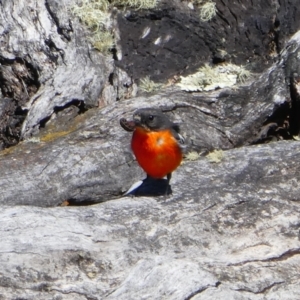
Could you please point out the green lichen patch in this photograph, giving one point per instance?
(137, 4)
(207, 11)
(210, 78)
(215, 156)
(192, 156)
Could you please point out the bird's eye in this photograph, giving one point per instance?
(151, 118)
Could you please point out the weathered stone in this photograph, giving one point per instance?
(45, 64)
(230, 229)
(89, 159)
(178, 42)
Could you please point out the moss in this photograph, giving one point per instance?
(138, 4)
(193, 155)
(96, 15)
(52, 136)
(208, 11)
(103, 41)
(93, 13)
(243, 75)
(7, 151)
(147, 85)
(52, 132)
(210, 78)
(215, 156)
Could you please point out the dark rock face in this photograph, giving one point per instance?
(18, 83)
(167, 49)
(178, 42)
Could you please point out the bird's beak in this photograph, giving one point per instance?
(127, 125)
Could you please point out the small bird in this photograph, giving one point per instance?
(156, 142)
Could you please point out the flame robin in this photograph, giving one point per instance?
(155, 142)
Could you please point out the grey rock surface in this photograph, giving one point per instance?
(88, 158)
(45, 64)
(229, 230)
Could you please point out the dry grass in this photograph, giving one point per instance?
(147, 85)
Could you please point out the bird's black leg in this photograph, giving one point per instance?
(169, 176)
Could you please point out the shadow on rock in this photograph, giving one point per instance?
(150, 187)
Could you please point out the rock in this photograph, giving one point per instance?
(88, 157)
(230, 229)
(48, 63)
(45, 64)
(178, 42)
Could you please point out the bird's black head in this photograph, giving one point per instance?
(152, 119)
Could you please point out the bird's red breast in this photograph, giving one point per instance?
(157, 152)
